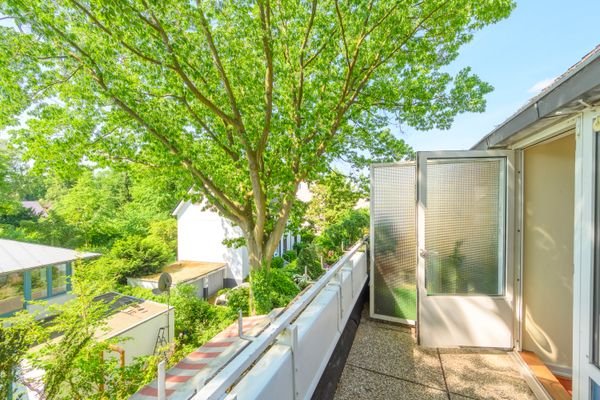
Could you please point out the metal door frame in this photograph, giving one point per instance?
(509, 240)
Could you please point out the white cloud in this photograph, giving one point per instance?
(541, 85)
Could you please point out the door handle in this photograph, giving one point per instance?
(424, 253)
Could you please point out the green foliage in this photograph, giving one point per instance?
(17, 335)
(333, 195)
(289, 256)
(277, 262)
(309, 261)
(163, 84)
(140, 256)
(350, 227)
(271, 288)
(239, 299)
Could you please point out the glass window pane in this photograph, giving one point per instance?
(464, 226)
(393, 196)
(59, 279)
(595, 390)
(39, 285)
(11, 292)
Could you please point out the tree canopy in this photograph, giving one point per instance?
(242, 99)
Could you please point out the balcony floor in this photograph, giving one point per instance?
(385, 363)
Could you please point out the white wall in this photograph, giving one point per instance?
(200, 236)
(548, 252)
(141, 339)
(282, 369)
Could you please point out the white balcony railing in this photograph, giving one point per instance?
(288, 358)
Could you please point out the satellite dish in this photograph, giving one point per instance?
(164, 283)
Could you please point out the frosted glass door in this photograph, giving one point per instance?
(464, 211)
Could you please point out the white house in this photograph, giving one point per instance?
(498, 246)
(200, 236)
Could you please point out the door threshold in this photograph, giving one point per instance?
(544, 384)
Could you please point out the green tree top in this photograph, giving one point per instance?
(246, 99)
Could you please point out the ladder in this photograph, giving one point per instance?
(161, 341)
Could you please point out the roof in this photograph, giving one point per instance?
(127, 312)
(35, 207)
(573, 91)
(21, 256)
(124, 313)
(185, 271)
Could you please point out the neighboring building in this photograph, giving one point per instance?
(34, 272)
(200, 236)
(206, 277)
(35, 207)
(502, 249)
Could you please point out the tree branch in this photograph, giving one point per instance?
(156, 25)
(265, 17)
(219, 67)
(343, 31)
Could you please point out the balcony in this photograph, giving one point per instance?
(386, 363)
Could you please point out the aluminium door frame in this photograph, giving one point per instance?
(510, 192)
(372, 243)
(544, 136)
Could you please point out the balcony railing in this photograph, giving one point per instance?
(286, 360)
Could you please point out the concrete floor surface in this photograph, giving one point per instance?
(385, 363)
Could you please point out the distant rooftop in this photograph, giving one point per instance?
(21, 256)
(35, 207)
(185, 271)
(126, 313)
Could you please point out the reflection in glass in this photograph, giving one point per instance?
(59, 279)
(464, 226)
(394, 240)
(11, 292)
(39, 284)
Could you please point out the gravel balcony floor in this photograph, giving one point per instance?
(385, 363)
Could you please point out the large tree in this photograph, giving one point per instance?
(245, 99)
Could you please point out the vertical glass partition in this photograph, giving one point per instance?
(393, 241)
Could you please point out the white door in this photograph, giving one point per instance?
(465, 223)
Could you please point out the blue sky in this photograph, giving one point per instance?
(539, 41)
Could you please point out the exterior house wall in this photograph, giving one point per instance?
(548, 251)
(141, 339)
(200, 236)
(215, 283)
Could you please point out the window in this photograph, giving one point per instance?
(39, 283)
(11, 292)
(59, 279)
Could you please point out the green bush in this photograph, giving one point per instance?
(347, 230)
(277, 262)
(290, 255)
(308, 260)
(271, 289)
(140, 256)
(238, 299)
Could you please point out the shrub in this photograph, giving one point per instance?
(238, 299)
(277, 262)
(350, 227)
(141, 256)
(308, 260)
(290, 255)
(272, 288)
